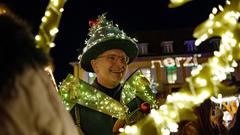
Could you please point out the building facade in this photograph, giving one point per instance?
(166, 62)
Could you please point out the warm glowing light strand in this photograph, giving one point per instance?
(49, 26)
(3, 10)
(177, 3)
(102, 31)
(76, 91)
(137, 85)
(205, 80)
(48, 30)
(50, 73)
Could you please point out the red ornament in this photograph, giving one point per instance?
(145, 107)
(93, 23)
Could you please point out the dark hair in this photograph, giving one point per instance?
(235, 129)
(17, 50)
(204, 122)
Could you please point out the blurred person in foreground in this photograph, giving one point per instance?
(208, 122)
(29, 103)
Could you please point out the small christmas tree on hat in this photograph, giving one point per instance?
(103, 36)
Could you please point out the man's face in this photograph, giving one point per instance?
(110, 67)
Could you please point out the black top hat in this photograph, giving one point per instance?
(104, 36)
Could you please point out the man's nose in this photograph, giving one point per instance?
(120, 62)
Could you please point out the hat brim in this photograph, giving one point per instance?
(127, 46)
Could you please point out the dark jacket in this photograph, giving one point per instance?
(93, 122)
(235, 129)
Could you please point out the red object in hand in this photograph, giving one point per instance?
(145, 107)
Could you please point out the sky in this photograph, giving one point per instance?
(131, 16)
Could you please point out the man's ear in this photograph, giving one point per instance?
(94, 65)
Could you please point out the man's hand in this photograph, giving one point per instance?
(118, 124)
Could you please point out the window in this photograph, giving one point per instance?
(143, 48)
(215, 42)
(190, 45)
(167, 46)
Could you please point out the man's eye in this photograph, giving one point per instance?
(123, 59)
(111, 58)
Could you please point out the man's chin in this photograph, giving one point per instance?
(117, 77)
(117, 80)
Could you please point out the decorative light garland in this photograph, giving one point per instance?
(76, 91)
(3, 10)
(48, 30)
(73, 90)
(103, 30)
(137, 85)
(177, 3)
(205, 80)
(48, 69)
(49, 26)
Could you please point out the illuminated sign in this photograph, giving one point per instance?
(187, 61)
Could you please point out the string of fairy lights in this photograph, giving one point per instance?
(76, 91)
(49, 26)
(48, 30)
(177, 3)
(205, 79)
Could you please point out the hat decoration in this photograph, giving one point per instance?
(103, 36)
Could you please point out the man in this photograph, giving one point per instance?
(29, 103)
(108, 53)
